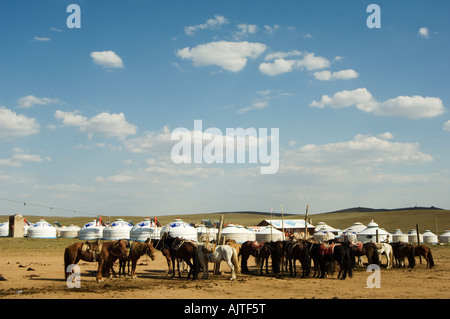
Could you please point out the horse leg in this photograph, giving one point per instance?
(230, 264)
(99, 270)
(133, 268)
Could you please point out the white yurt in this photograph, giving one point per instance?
(119, 229)
(399, 236)
(206, 234)
(238, 234)
(429, 237)
(4, 229)
(323, 235)
(445, 237)
(269, 233)
(145, 229)
(178, 228)
(322, 226)
(41, 229)
(91, 231)
(412, 236)
(69, 231)
(370, 234)
(351, 232)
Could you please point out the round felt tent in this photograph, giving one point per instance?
(399, 236)
(445, 237)
(4, 229)
(119, 229)
(370, 234)
(180, 229)
(429, 237)
(91, 231)
(41, 229)
(145, 229)
(206, 234)
(412, 236)
(69, 231)
(238, 234)
(269, 233)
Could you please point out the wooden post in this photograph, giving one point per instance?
(306, 221)
(418, 234)
(377, 236)
(219, 241)
(282, 221)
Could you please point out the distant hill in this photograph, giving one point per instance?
(366, 209)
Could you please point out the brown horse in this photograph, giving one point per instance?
(260, 251)
(137, 250)
(402, 251)
(234, 244)
(298, 250)
(86, 251)
(109, 253)
(185, 250)
(159, 244)
(366, 249)
(425, 252)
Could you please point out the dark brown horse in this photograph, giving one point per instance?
(159, 244)
(110, 252)
(137, 250)
(184, 250)
(425, 252)
(298, 250)
(401, 251)
(87, 251)
(259, 250)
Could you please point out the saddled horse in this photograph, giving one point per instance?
(87, 251)
(110, 251)
(259, 250)
(368, 249)
(137, 250)
(387, 250)
(298, 250)
(341, 253)
(212, 253)
(277, 254)
(185, 250)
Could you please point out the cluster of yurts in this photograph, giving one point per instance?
(120, 229)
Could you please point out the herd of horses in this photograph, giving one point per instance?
(316, 259)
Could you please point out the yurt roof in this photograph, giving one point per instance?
(320, 226)
(355, 228)
(372, 228)
(286, 223)
(269, 230)
(445, 234)
(428, 233)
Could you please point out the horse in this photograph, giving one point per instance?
(260, 251)
(209, 252)
(369, 250)
(341, 253)
(160, 245)
(182, 249)
(298, 250)
(386, 249)
(86, 251)
(234, 244)
(277, 254)
(137, 250)
(425, 252)
(404, 250)
(109, 252)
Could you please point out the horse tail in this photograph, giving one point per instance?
(375, 256)
(196, 265)
(430, 258)
(235, 261)
(66, 261)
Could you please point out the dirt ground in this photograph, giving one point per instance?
(38, 275)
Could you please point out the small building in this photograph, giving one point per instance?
(145, 229)
(69, 231)
(398, 236)
(41, 229)
(91, 231)
(445, 237)
(119, 229)
(412, 236)
(290, 226)
(429, 237)
(178, 228)
(269, 233)
(371, 232)
(237, 233)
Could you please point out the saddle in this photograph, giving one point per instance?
(326, 249)
(257, 245)
(358, 247)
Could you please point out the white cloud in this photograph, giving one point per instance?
(340, 75)
(30, 100)
(271, 29)
(12, 124)
(447, 126)
(424, 32)
(231, 56)
(41, 39)
(19, 157)
(281, 65)
(412, 107)
(214, 23)
(363, 150)
(115, 178)
(245, 30)
(107, 59)
(109, 125)
(255, 106)
(151, 141)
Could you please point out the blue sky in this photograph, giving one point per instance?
(86, 114)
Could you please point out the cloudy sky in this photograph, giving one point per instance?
(87, 114)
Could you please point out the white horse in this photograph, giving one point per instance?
(215, 254)
(386, 249)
